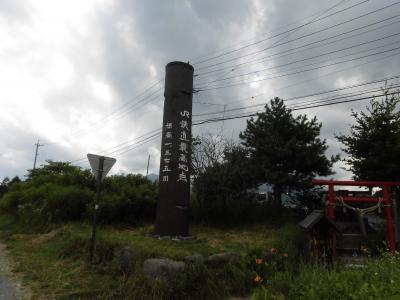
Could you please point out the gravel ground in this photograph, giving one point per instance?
(10, 285)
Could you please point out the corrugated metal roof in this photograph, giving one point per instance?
(313, 218)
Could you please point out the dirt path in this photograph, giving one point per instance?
(10, 285)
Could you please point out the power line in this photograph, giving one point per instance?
(295, 73)
(303, 24)
(335, 97)
(313, 94)
(279, 34)
(345, 88)
(157, 132)
(223, 50)
(328, 74)
(124, 145)
(301, 37)
(130, 141)
(157, 96)
(334, 72)
(313, 57)
(296, 106)
(150, 139)
(253, 114)
(292, 52)
(280, 53)
(296, 29)
(291, 32)
(133, 147)
(238, 116)
(154, 134)
(123, 110)
(317, 101)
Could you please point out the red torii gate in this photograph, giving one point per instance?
(385, 199)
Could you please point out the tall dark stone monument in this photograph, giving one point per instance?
(174, 180)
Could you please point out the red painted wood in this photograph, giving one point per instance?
(389, 220)
(331, 201)
(359, 199)
(354, 183)
(386, 200)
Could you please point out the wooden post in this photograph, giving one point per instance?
(389, 219)
(331, 201)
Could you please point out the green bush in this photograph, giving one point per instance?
(127, 199)
(48, 202)
(377, 280)
(9, 203)
(66, 203)
(59, 192)
(24, 200)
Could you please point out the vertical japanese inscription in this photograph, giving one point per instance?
(174, 180)
(184, 145)
(167, 155)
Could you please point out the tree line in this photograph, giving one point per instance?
(276, 147)
(287, 152)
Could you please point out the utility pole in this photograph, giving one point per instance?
(223, 116)
(36, 154)
(147, 171)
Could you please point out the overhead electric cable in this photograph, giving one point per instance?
(281, 33)
(126, 149)
(335, 97)
(285, 87)
(157, 132)
(282, 53)
(123, 145)
(245, 42)
(296, 29)
(107, 118)
(295, 73)
(122, 110)
(313, 94)
(155, 137)
(301, 37)
(252, 114)
(313, 57)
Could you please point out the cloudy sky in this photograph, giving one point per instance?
(87, 76)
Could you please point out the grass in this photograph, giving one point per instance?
(378, 279)
(48, 275)
(55, 266)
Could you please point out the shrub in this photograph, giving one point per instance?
(127, 199)
(66, 203)
(59, 192)
(377, 280)
(9, 203)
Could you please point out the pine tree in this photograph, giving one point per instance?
(286, 151)
(373, 144)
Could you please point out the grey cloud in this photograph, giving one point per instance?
(163, 33)
(15, 10)
(128, 37)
